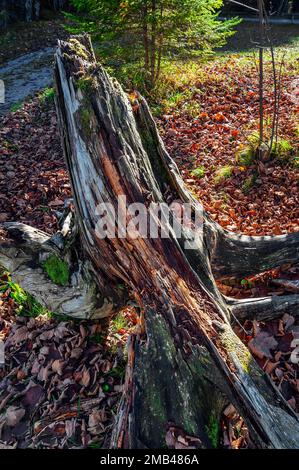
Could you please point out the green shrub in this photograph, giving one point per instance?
(282, 150)
(223, 173)
(47, 96)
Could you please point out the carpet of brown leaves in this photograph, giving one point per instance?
(33, 179)
(62, 379)
(61, 384)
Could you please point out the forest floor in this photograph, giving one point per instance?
(63, 378)
(22, 38)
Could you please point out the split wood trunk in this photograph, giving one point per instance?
(185, 364)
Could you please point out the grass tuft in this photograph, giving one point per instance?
(47, 96)
(198, 172)
(223, 173)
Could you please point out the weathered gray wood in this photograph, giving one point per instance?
(23, 252)
(185, 349)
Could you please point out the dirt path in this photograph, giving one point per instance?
(25, 75)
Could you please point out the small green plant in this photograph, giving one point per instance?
(95, 445)
(47, 96)
(173, 101)
(118, 322)
(27, 305)
(192, 108)
(44, 208)
(198, 172)
(247, 284)
(223, 173)
(106, 388)
(296, 162)
(57, 270)
(17, 293)
(10, 146)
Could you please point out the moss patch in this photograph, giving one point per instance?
(233, 345)
(57, 270)
(78, 48)
(213, 430)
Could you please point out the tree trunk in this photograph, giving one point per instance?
(184, 363)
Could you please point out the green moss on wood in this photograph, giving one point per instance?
(233, 345)
(57, 270)
(78, 48)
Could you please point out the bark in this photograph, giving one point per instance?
(185, 362)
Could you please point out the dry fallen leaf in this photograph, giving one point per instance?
(58, 366)
(13, 415)
(262, 344)
(85, 378)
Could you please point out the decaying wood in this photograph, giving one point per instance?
(185, 362)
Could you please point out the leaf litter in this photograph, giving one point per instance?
(62, 380)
